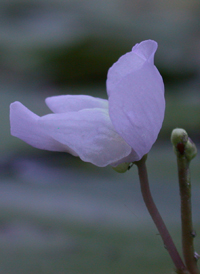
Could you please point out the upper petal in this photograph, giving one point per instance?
(89, 133)
(136, 107)
(146, 50)
(130, 62)
(24, 125)
(67, 103)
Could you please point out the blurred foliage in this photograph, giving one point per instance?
(83, 249)
(18, 10)
(183, 112)
(86, 62)
(178, 76)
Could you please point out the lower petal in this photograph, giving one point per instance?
(24, 125)
(89, 133)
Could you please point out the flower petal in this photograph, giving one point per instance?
(24, 125)
(136, 107)
(68, 103)
(89, 133)
(130, 62)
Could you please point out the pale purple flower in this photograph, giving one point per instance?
(118, 130)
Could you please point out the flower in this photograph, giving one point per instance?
(104, 132)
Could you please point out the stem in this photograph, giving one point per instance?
(168, 242)
(188, 233)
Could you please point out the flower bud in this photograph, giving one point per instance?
(190, 149)
(179, 135)
(183, 145)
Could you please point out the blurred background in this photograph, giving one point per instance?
(60, 215)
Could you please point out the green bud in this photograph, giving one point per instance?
(190, 149)
(123, 167)
(183, 145)
(179, 135)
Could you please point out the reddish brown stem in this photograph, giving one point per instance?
(166, 237)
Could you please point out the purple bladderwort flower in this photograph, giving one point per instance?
(104, 132)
